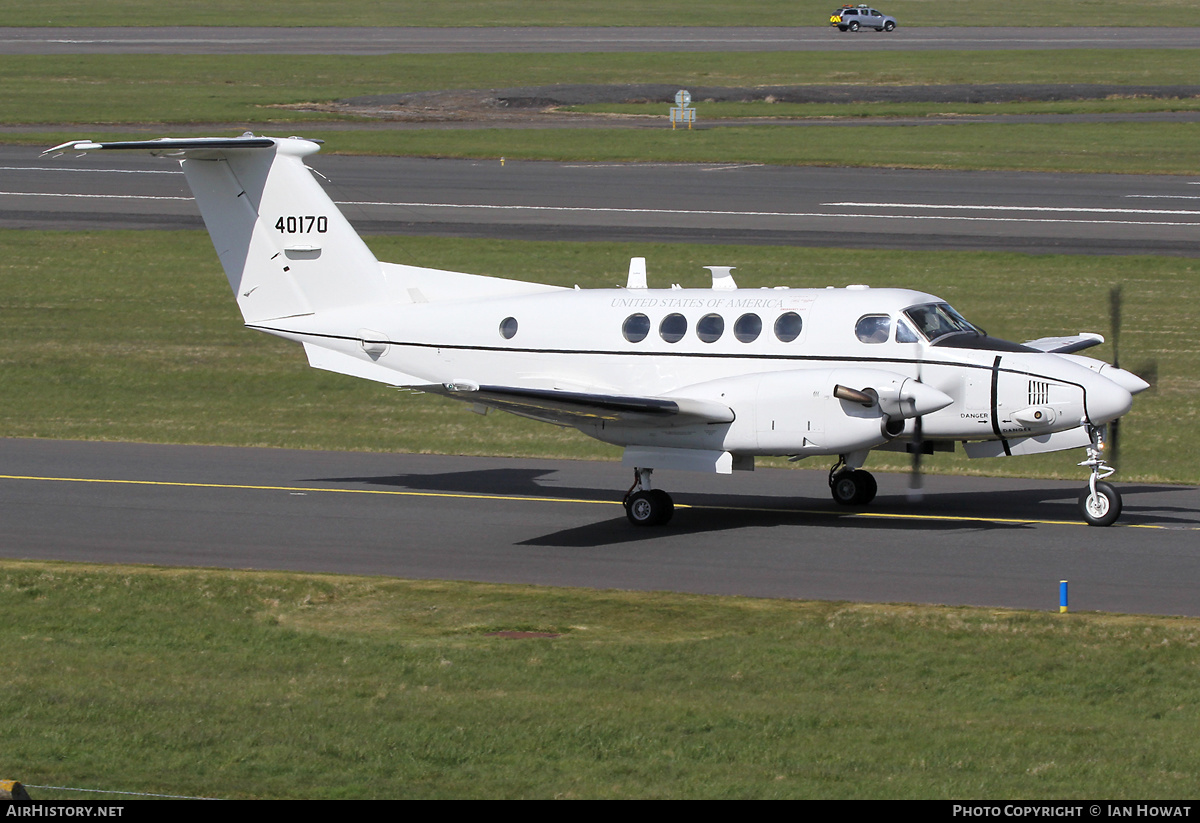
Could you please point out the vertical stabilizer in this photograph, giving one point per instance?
(286, 248)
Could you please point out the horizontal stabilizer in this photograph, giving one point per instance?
(172, 145)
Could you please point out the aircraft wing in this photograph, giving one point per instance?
(1066, 345)
(568, 408)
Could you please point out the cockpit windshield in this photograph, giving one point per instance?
(938, 320)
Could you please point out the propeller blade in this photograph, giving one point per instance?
(1114, 440)
(1114, 317)
(915, 480)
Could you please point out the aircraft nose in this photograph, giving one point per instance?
(1107, 400)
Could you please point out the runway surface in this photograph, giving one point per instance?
(693, 203)
(401, 40)
(772, 533)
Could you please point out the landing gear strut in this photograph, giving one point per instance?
(645, 506)
(851, 487)
(1099, 503)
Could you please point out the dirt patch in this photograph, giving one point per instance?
(542, 102)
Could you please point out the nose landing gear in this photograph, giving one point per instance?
(1099, 503)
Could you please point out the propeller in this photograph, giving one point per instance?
(1114, 320)
(916, 482)
(1148, 370)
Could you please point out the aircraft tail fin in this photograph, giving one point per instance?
(285, 247)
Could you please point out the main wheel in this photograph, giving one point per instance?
(1103, 508)
(854, 488)
(889, 26)
(649, 508)
(853, 27)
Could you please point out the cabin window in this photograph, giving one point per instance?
(636, 327)
(788, 326)
(508, 328)
(873, 328)
(710, 328)
(747, 328)
(673, 327)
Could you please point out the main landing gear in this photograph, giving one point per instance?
(851, 487)
(1099, 503)
(645, 506)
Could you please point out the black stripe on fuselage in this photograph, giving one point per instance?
(799, 358)
(996, 406)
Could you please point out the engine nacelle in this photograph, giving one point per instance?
(817, 411)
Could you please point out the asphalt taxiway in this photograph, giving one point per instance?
(662, 202)
(769, 533)
(376, 40)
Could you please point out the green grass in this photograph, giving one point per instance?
(268, 93)
(847, 111)
(578, 13)
(251, 685)
(1115, 148)
(1125, 148)
(68, 89)
(133, 336)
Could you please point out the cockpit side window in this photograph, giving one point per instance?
(937, 320)
(904, 333)
(873, 328)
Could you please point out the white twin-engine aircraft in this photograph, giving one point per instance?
(698, 379)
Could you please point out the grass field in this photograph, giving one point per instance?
(246, 684)
(249, 88)
(579, 13)
(134, 336)
(56, 93)
(1114, 148)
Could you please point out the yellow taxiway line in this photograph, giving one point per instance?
(940, 518)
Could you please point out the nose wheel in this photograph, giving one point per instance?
(1100, 503)
(1101, 507)
(645, 506)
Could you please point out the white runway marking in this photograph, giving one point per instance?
(763, 214)
(1068, 209)
(93, 196)
(91, 171)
